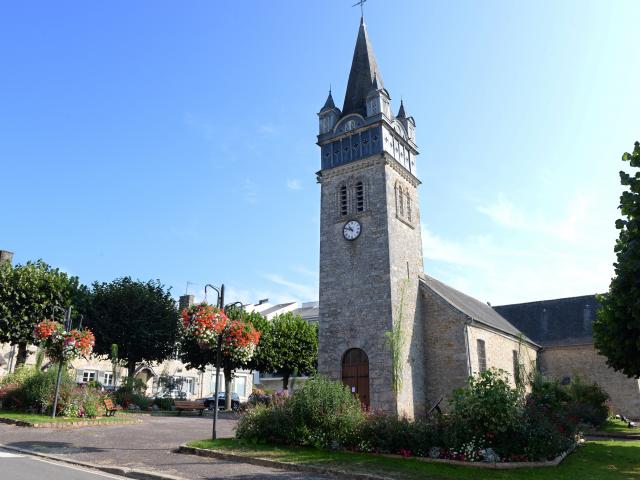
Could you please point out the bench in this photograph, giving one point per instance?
(189, 405)
(110, 407)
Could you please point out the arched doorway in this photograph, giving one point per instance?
(355, 373)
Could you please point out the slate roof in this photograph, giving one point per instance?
(328, 105)
(475, 309)
(363, 70)
(401, 113)
(563, 321)
(309, 311)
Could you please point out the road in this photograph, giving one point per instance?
(22, 467)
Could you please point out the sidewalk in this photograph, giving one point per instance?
(145, 446)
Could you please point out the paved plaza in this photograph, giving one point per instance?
(145, 446)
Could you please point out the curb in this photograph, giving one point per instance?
(263, 462)
(122, 471)
(625, 436)
(67, 425)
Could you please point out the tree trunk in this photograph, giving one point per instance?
(21, 357)
(227, 388)
(285, 381)
(131, 368)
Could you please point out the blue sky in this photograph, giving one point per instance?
(176, 140)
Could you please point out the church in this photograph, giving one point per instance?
(400, 339)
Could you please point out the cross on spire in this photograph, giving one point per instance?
(361, 3)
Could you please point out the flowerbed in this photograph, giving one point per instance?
(488, 422)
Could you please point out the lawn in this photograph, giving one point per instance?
(614, 425)
(597, 460)
(35, 418)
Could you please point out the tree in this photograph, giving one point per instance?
(289, 344)
(28, 294)
(616, 330)
(141, 317)
(194, 356)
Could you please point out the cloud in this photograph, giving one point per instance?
(294, 184)
(250, 192)
(298, 291)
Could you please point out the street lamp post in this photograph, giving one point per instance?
(220, 304)
(67, 327)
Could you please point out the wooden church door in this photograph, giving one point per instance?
(355, 374)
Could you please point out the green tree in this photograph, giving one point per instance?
(288, 344)
(28, 294)
(141, 317)
(194, 356)
(616, 331)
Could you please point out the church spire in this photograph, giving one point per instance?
(401, 113)
(364, 70)
(329, 103)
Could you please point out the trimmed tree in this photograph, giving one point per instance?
(140, 317)
(28, 294)
(289, 344)
(616, 330)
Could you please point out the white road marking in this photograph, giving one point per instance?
(82, 469)
(8, 455)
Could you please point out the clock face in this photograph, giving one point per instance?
(351, 230)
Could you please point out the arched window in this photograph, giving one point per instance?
(408, 206)
(400, 201)
(343, 200)
(359, 197)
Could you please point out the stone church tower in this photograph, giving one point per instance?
(370, 242)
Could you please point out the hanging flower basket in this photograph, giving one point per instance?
(204, 323)
(62, 345)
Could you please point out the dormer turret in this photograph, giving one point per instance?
(328, 115)
(408, 123)
(378, 100)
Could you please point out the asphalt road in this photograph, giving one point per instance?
(21, 467)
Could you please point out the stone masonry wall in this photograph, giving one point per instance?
(406, 264)
(445, 352)
(355, 289)
(583, 361)
(499, 351)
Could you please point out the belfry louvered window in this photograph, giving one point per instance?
(343, 200)
(482, 356)
(360, 197)
(408, 207)
(400, 201)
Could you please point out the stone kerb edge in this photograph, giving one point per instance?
(263, 462)
(66, 425)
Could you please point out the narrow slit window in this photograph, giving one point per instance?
(360, 197)
(516, 366)
(408, 207)
(344, 205)
(400, 202)
(482, 356)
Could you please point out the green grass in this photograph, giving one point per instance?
(35, 418)
(596, 460)
(614, 425)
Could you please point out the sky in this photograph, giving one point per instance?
(176, 140)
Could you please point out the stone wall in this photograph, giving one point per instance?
(499, 350)
(582, 360)
(445, 353)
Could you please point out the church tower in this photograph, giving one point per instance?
(370, 243)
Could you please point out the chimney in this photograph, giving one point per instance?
(6, 256)
(186, 301)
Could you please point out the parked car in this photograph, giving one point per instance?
(210, 402)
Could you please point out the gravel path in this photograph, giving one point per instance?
(146, 446)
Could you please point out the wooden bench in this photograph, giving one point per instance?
(110, 407)
(189, 405)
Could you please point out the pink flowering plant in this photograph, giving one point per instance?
(62, 345)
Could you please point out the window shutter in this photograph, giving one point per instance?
(79, 376)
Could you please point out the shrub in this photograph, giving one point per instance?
(131, 392)
(322, 413)
(588, 402)
(487, 408)
(163, 403)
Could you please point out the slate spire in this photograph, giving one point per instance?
(401, 113)
(329, 103)
(364, 70)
